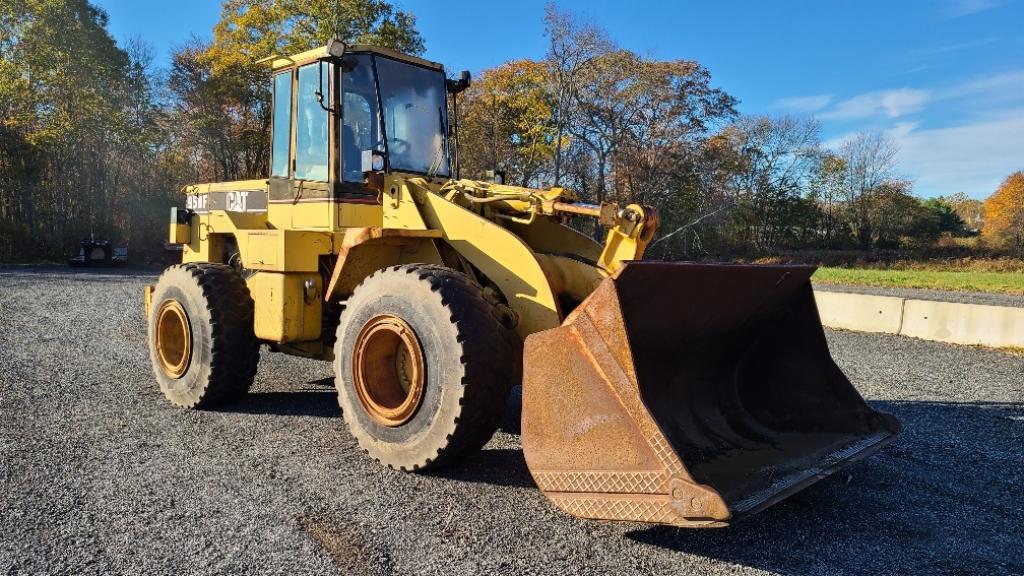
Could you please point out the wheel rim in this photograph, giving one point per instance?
(388, 370)
(173, 339)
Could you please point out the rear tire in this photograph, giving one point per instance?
(201, 342)
(423, 366)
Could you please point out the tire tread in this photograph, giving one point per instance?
(491, 356)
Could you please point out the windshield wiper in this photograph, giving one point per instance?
(438, 159)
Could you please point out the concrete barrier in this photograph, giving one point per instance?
(998, 326)
(860, 312)
(976, 324)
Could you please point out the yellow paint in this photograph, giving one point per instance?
(501, 256)
(180, 233)
(508, 237)
(363, 251)
(352, 215)
(546, 234)
(208, 187)
(283, 62)
(284, 250)
(399, 206)
(570, 277)
(285, 309)
(626, 240)
(205, 245)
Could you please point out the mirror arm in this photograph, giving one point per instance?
(334, 110)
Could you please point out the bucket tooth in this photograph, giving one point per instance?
(690, 395)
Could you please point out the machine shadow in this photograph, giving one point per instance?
(904, 510)
(501, 466)
(497, 466)
(317, 403)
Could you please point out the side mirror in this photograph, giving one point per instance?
(496, 176)
(456, 86)
(372, 161)
(321, 95)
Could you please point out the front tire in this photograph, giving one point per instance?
(201, 342)
(423, 366)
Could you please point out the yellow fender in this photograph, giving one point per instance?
(499, 254)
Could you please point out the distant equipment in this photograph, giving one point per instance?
(99, 252)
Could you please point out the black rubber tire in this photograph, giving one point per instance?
(471, 361)
(225, 351)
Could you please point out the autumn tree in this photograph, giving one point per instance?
(573, 45)
(895, 217)
(507, 123)
(1004, 214)
(825, 188)
(868, 160)
(970, 211)
(775, 159)
(629, 111)
(223, 94)
(80, 131)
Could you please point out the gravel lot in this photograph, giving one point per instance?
(98, 474)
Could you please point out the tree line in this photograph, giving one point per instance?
(96, 139)
(83, 140)
(615, 125)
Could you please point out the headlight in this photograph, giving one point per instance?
(335, 48)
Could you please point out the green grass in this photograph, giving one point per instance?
(996, 282)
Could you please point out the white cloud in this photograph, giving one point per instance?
(973, 154)
(1006, 86)
(902, 130)
(946, 49)
(972, 157)
(961, 8)
(804, 104)
(890, 103)
(913, 70)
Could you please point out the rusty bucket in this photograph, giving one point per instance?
(691, 395)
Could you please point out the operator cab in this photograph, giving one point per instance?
(342, 114)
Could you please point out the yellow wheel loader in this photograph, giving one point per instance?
(674, 393)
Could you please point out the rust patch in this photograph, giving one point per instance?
(355, 237)
(691, 395)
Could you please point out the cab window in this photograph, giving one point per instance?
(415, 117)
(361, 120)
(282, 129)
(311, 134)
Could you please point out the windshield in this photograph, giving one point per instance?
(361, 121)
(415, 117)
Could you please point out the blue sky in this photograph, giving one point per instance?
(945, 78)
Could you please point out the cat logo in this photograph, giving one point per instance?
(239, 201)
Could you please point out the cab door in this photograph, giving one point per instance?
(303, 166)
(361, 133)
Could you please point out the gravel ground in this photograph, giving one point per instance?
(923, 294)
(98, 474)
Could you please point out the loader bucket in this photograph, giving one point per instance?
(691, 395)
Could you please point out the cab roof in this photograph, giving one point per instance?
(282, 62)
